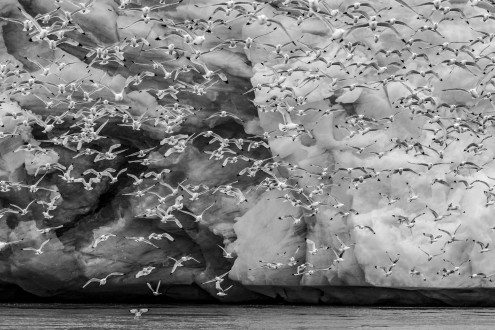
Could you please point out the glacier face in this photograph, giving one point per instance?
(390, 130)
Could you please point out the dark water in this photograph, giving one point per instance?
(19, 316)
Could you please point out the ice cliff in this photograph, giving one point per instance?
(307, 151)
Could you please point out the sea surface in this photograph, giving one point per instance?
(42, 316)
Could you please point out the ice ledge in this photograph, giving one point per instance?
(315, 295)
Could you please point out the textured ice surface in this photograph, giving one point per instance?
(384, 150)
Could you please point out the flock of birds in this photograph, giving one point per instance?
(354, 30)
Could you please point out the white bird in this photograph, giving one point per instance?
(338, 256)
(414, 272)
(451, 235)
(100, 239)
(436, 216)
(343, 246)
(47, 230)
(145, 271)
(3, 245)
(431, 256)
(23, 211)
(412, 195)
(197, 217)
(484, 246)
(217, 278)
(37, 251)
(156, 292)
(226, 254)
(288, 124)
(456, 269)
(161, 236)
(102, 281)
(141, 239)
(482, 275)
(224, 114)
(138, 312)
(312, 247)
(137, 180)
(221, 291)
(141, 153)
(432, 238)
(365, 227)
(386, 269)
(180, 262)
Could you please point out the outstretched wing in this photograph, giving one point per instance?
(43, 244)
(91, 281)
(446, 232)
(175, 267)
(311, 244)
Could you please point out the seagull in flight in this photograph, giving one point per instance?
(226, 254)
(221, 291)
(160, 236)
(156, 292)
(217, 278)
(312, 247)
(48, 229)
(100, 239)
(138, 312)
(102, 281)
(180, 262)
(365, 227)
(37, 251)
(3, 245)
(141, 239)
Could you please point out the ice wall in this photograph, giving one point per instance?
(376, 137)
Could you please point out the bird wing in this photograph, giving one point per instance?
(225, 251)
(148, 242)
(445, 232)
(44, 243)
(174, 268)
(91, 281)
(371, 229)
(311, 244)
(455, 231)
(133, 176)
(424, 251)
(435, 214)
